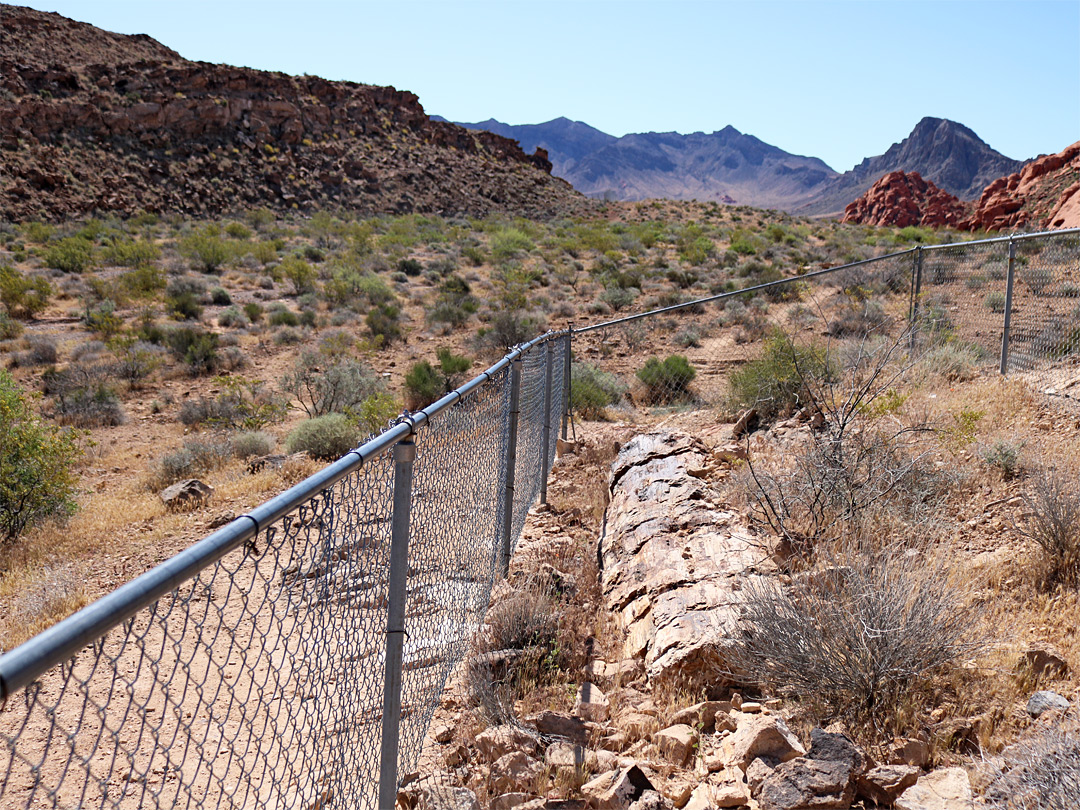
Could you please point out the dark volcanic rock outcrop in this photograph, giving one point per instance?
(83, 130)
(901, 199)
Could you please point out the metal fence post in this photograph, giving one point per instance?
(545, 452)
(404, 454)
(566, 380)
(1008, 307)
(511, 459)
(916, 288)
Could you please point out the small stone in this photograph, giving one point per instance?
(677, 790)
(652, 800)
(1044, 663)
(443, 734)
(759, 769)
(705, 715)
(761, 736)
(498, 741)
(565, 755)
(616, 790)
(750, 707)
(1044, 701)
(700, 798)
(885, 783)
(514, 771)
(637, 725)
(592, 704)
(677, 743)
(557, 724)
(912, 752)
(189, 492)
(947, 789)
(728, 790)
(507, 801)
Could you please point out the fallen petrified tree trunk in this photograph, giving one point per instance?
(674, 560)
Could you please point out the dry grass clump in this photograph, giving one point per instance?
(50, 595)
(1053, 525)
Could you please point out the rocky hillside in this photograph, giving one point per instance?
(92, 121)
(902, 199)
(1044, 194)
(949, 154)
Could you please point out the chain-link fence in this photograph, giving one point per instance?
(294, 658)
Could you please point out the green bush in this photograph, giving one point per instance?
(410, 267)
(220, 297)
(774, 383)
(299, 273)
(254, 311)
(9, 327)
(666, 380)
(195, 347)
(376, 411)
(252, 443)
(382, 322)
(424, 383)
(592, 390)
(131, 253)
(508, 241)
(205, 250)
(325, 437)
(322, 385)
(22, 294)
(284, 317)
(995, 301)
(36, 481)
(72, 255)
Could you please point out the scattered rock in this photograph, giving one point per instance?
(616, 790)
(677, 743)
(592, 704)
(912, 752)
(700, 798)
(507, 801)
(746, 422)
(710, 715)
(1044, 701)
(824, 778)
(677, 788)
(565, 726)
(885, 783)
(498, 741)
(444, 797)
(758, 772)
(444, 733)
(1044, 663)
(565, 755)
(946, 789)
(190, 492)
(729, 789)
(761, 736)
(652, 800)
(515, 771)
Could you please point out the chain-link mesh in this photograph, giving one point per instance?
(530, 435)
(454, 542)
(962, 297)
(258, 683)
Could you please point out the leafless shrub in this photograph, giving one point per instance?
(860, 632)
(1053, 524)
(863, 460)
(42, 351)
(1041, 773)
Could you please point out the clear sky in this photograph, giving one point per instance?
(836, 80)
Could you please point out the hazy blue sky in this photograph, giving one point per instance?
(837, 80)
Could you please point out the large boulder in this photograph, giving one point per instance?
(824, 779)
(947, 789)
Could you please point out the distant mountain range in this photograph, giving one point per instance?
(732, 167)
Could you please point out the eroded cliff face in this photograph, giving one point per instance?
(166, 134)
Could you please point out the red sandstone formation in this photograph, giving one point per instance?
(901, 199)
(1044, 194)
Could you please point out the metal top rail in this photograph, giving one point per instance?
(60, 642)
(1017, 237)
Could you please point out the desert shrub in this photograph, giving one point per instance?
(1052, 522)
(197, 456)
(135, 359)
(1037, 277)
(36, 480)
(72, 254)
(410, 267)
(252, 443)
(298, 273)
(689, 337)
(103, 320)
(205, 250)
(288, 336)
(246, 404)
(774, 384)
(1041, 772)
(90, 406)
(142, 282)
(233, 317)
(41, 351)
(666, 380)
(859, 634)
(23, 295)
(1004, 456)
(337, 386)
(131, 253)
(220, 297)
(326, 437)
(858, 319)
(284, 317)
(254, 311)
(237, 230)
(592, 390)
(194, 346)
(618, 298)
(425, 383)
(953, 360)
(9, 327)
(382, 322)
(995, 301)
(376, 412)
(508, 329)
(506, 242)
